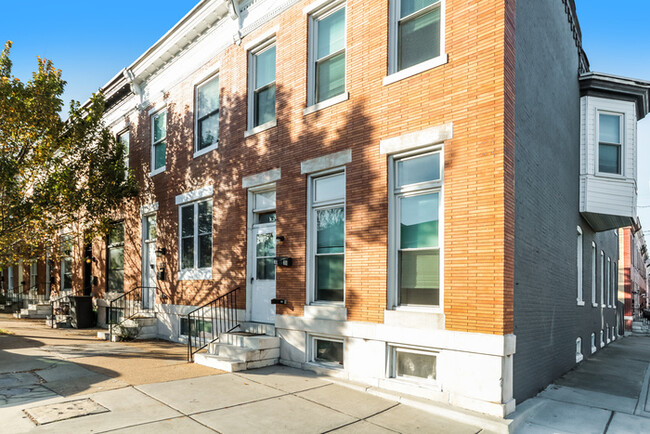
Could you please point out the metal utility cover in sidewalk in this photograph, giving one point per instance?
(64, 410)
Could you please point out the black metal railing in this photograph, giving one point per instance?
(60, 307)
(206, 323)
(126, 306)
(16, 300)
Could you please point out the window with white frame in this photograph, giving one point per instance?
(412, 364)
(327, 52)
(124, 139)
(10, 279)
(415, 33)
(415, 215)
(327, 352)
(158, 141)
(579, 350)
(261, 84)
(602, 339)
(115, 257)
(327, 237)
(196, 240)
(593, 274)
(593, 343)
(66, 262)
(610, 143)
(206, 129)
(614, 283)
(608, 282)
(33, 276)
(579, 265)
(602, 278)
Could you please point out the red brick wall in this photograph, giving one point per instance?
(475, 91)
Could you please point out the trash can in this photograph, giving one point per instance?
(81, 311)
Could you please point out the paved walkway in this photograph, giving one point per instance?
(608, 393)
(67, 381)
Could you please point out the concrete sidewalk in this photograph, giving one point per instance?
(68, 382)
(608, 393)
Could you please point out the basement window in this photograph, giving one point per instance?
(327, 352)
(413, 365)
(199, 327)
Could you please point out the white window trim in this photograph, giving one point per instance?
(312, 351)
(391, 365)
(614, 270)
(153, 171)
(393, 74)
(622, 125)
(215, 144)
(10, 279)
(253, 51)
(593, 343)
(315, 11)
(602, 340)
(311, 234)
(580, 255)
(594, 275)
(195, 195)
(579, 356)
(327, 103)
(602, 283)
(393, 218)
(608, 282)
(127, 156)
(194, 273)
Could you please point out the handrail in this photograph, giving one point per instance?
(129, 303)
(221, 318)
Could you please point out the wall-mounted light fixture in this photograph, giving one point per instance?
(279, 238)
(161, 252)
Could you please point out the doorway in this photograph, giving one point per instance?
(149, 262)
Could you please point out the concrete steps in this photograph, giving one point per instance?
(139, 327)
(35, 311)
(239, 351)
(640, 328)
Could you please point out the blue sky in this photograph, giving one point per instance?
(92, 40)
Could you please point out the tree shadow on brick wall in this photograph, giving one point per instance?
(296, 138)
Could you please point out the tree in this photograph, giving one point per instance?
(54, 172)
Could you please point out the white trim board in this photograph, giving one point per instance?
(194, 195)
(417, 139)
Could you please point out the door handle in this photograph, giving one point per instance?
(252, 279)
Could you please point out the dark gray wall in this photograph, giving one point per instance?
(547, 155)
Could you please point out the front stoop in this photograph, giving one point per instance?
(239, 351)
(640, 328)
(60, 321)
(35, 311)
(139, 327)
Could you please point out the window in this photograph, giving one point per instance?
(207, 115)
(614, 284)
(602, 278)
(196, 240)
(579, 264)
(261, 86)
(199, 327)
(602, 340)
(115, 255)
(327, 241)
(33, 276)
(593, 275)
(610, 143)
(10, 279)
(66, 262)
(579, 350)
(410, 364)
(158, 142)
(124, 139)
(328, 352)
(593, 343)
(415, 33)
(415, 216)
(607, 278)
(327, 53)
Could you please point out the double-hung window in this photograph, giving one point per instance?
(207, 115)
(158, 142)
(415, 33)
(579, 266)
(33, 276)
(66, 262)
(594, 302)
(124, 139)
(415, 240)
(10, 279)
(610, 143)
(196, 240)
(262, 84)
(115, 255)
(328, 237)
(327, 53)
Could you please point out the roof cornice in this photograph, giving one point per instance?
(615, 87)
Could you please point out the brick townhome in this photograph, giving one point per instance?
(633, 275)
(444, 175)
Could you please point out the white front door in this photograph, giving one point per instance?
(263, 274)
(149, 262)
